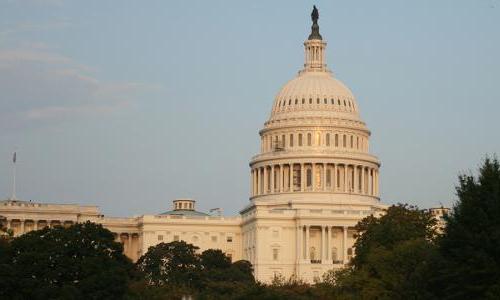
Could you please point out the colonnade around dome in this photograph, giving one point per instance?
(315, 177)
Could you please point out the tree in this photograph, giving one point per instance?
(393, 254)
(214, 259)
(174, 263)
(5, 234)
(79, 262)
(400, 223)
(470, 245)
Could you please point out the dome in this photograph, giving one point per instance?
(184, 207)
(315, 92)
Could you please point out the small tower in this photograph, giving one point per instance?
(184, 204)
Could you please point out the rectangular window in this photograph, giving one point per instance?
(176, 238)
(214, 238)
(300, 139)
(160, 237)
(291, 140)
(229, 239)
(275, 254)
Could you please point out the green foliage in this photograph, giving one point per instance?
(174, 264)
(176, 267)
(79, 262)
(393, 254)
(470, 246)
(212, 259)
(400, 223)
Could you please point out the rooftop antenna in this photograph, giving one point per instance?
(14, 159)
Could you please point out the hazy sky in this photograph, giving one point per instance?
(130, 104)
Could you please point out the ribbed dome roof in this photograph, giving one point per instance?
(315, 92)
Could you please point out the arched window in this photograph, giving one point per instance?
(357, 142)
(296, 101)
(352, 143)
(344, 140)
(300, 139)
(309, 178)
(325, 101)
(290, 102)
(317, 100)
(310, 101)
(328, 139)
(291, 140)
(303, 100)
(336, 140)
(283, 143)
(333, 101)
(309, 139)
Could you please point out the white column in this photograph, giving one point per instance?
(329, 244)
(307, 242)
(362, 179)
(22, 226)
(344, 245)
(255, 182)
(323, 244)
(261, 181)
(266, 180)
(345, 178)
(299, 243)
(335, 177)
(313, 179)
(252, 185)
(302, 177)
(280, 179)
(355, 175)
(272, 179)
(370, 182)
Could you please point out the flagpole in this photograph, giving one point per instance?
(14, 178)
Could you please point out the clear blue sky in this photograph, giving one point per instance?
(130, 104)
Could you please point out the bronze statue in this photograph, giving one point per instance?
(315, 14)
(315, 27)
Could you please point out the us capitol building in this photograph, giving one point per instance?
(311, 183)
